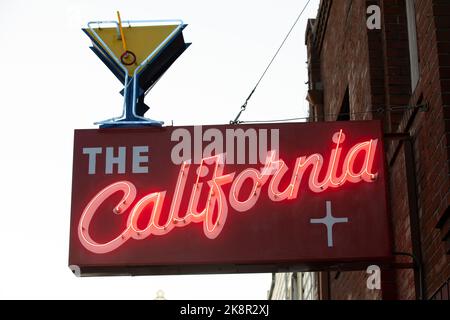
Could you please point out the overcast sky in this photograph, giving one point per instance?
(51, 83)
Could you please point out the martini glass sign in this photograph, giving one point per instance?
(138, 53)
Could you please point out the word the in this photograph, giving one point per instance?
(138, 156)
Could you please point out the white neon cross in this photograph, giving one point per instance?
(329, 221)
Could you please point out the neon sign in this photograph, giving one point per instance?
(228, 198)
(214, 213)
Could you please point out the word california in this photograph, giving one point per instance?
(321, 174)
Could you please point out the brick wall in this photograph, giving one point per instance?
(431, 138)
(374, 65)
(344, 58)
(395, 52)
(351, 285)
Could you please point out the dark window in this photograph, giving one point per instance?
(344, 113)
(412, 39)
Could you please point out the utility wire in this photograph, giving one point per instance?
(244, 106)
(422, 107)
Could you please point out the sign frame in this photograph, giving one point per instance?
(92, 264)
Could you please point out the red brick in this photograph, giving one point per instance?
(348, 53)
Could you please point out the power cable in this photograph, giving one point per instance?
(244, 106)
(379, 110)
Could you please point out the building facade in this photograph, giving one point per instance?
(294, 286)
(390, 60)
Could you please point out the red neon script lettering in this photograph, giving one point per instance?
(216, 198)
(129, 191)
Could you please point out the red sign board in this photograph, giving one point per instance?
(228, 198)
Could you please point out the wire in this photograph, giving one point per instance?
(277, 120)
(379, 110)
(244, 106)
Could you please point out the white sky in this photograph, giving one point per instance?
(52, 83)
